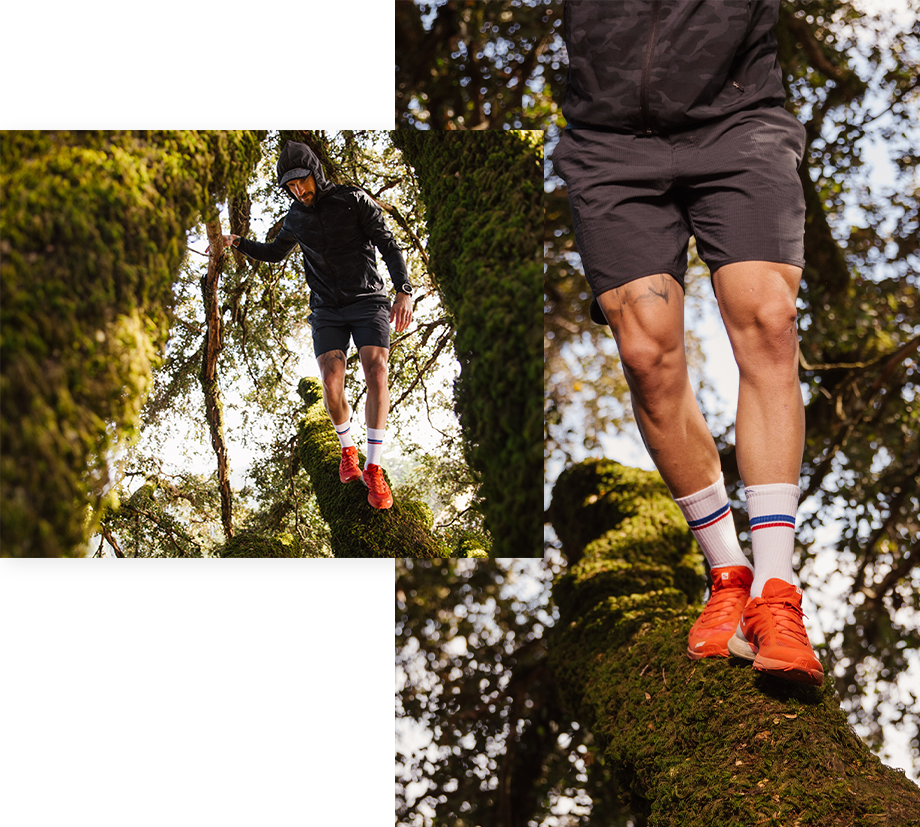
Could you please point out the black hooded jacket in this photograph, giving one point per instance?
(337, 235)
(655, 66)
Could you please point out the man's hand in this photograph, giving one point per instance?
(401, 312)
(228, 241)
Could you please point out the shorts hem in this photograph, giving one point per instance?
(800, 262)
(662, 271)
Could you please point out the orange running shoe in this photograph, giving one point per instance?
(773, 636)
(348, 467)
(731, 588)
(378, 492)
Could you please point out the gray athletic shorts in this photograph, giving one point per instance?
(366, 321)
(637, 199)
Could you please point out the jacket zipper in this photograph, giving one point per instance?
(647, 67)
(322, 253)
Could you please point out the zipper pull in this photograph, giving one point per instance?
(739, 88)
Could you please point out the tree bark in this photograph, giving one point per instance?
(697, 743)
(358, 529)
(213, 343)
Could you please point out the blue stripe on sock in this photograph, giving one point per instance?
(712, 518)
(375, 441)
(772, 521)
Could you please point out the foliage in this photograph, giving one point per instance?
(481, 737)
(478, 65)
(483, 197)
(446, 482)
(162, 517)
(93, 232)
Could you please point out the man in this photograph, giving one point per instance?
(337, 228)
(676, 126)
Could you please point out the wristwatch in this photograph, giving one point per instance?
(406, 288)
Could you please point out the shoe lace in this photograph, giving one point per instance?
(787, 618)
(720, 604)
(377, 482)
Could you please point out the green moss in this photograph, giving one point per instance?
(622, 533)
(93, 229)
(484, 197)
(252, 544)
(357, 529)
(695, 743)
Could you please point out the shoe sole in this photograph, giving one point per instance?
(740, 648)
(712, 651)
(781, 669)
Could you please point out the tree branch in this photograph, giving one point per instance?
(212, 346)
(890, 363)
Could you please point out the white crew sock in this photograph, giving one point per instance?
(771, 511)
(710, 519)
(344, 433)
(374, 446)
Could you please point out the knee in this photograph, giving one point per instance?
(768, 337)
(650, 364)
(333, 375)
(333, 390)
(375, 373)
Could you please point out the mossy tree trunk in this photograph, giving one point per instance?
(697, 743)
(93, 233)
(358, 529)
(483, 195)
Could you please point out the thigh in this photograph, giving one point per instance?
(646, 316)
(745, 198)
(332, 367)
(627, 222)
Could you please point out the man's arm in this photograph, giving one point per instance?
(276, 251)
(370, 218)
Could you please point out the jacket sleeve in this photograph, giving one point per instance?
(370, 219)
(275, 251)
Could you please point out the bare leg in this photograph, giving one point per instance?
(647, 318)
(757, 302)
(374, 361)
(332, 372)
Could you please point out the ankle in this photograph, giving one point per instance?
(771, 511)
(709, 517)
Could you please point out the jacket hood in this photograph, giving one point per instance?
(299, 161)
